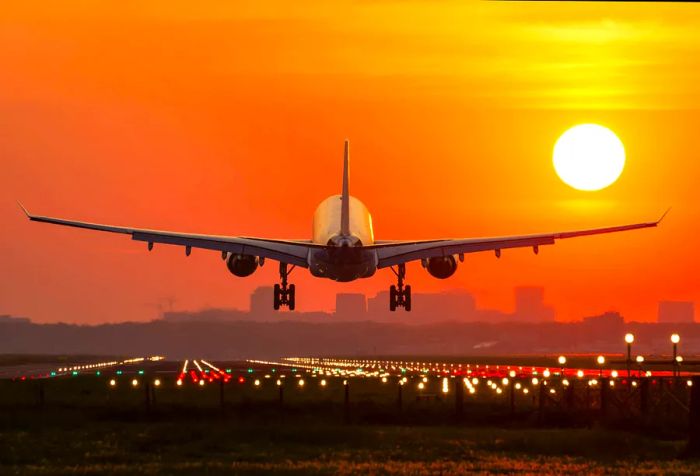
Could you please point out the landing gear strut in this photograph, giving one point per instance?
(285, 295)
(400, 295)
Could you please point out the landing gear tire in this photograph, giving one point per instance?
(276, 299)
(285, 295)
(400, 295)
(291, 300)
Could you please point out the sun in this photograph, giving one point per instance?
(589, 157)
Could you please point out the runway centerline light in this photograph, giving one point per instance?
(134, 383)
(157, 382)
(112, 383)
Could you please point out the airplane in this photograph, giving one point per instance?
(342, 247)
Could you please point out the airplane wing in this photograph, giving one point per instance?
(398, 252)
(287, 251)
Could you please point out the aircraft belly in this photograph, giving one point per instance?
(343, 264)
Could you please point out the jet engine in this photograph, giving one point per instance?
(242, 265)
(441, 268)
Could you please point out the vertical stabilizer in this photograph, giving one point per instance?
(345, 197)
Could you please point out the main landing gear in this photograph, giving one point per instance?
(285, 294)
(400, 295)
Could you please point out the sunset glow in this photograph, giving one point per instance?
(229, 118)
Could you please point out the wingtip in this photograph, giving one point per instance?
(26, 212)
(663, 216)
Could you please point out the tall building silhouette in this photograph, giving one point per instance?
(261, 302)
(529, 305)
(351, 305)
(676, 311)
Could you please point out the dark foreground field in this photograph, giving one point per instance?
(83, 425)
(223, 447)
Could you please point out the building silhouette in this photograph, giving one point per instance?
(676, 311)
(350, 306)
(261, 302)
(529, 305)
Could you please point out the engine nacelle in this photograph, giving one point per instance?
(441, 268)
(242, 265)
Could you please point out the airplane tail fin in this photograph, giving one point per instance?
(345, 197)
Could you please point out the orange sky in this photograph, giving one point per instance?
(228, 117)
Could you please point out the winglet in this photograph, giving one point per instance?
(663, 216)
(345, 197)
(26, 212)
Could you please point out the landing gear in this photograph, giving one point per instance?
(285, 295)
(400, 295)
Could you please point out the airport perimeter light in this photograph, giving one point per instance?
(601, 362)
(562, 362)
(629, 338)
(640, 361)
(675, 339)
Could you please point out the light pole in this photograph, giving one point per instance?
(629, 338)
(640, 361)
(675, 339)
(601, 362)
(562, 362)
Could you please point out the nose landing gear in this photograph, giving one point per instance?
(285, 295)
(400, 295)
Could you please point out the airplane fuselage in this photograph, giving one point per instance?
(344, 258)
